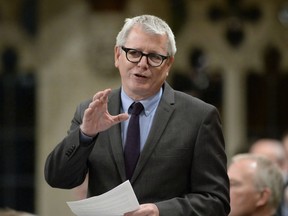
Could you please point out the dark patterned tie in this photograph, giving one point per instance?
(132, 145)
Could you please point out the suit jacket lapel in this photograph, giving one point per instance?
(115, 133)
(161, 118)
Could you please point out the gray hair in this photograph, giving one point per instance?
(267, 175)
(150, 24)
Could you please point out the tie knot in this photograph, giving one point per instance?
(136, 108)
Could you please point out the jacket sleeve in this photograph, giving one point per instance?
(66, 165)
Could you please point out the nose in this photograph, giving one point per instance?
(143, 63)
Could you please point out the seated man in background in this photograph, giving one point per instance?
(274, 150)
(256, 185)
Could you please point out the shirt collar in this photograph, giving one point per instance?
(149, 104)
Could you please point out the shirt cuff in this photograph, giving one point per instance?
(84, 139)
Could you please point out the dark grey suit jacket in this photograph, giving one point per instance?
(182, 168)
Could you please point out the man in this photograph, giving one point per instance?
(256, 185)
(272, 149)
(182, 166)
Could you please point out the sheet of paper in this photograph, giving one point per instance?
(115, 202)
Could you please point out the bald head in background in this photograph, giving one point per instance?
(274, 150)
(270, 148)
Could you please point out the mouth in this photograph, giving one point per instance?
(140, 75)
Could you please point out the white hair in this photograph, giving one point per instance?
(267, 175)
(150, 24)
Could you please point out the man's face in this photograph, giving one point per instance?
(243, 194)
(140, 80)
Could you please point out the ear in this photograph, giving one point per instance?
(170, 61)
(264, 196)
(117, 53)
(169, 64)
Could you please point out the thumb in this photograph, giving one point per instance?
(121, 117)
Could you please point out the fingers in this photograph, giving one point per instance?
(148, 209)
(96, 116)
(102, 96)
(121, 117)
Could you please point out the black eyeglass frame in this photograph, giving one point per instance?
(163, 58)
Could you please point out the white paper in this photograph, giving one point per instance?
(115, 202)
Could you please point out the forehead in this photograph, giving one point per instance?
(272, 151)
(242, 169)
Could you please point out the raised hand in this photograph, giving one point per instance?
(96, 116)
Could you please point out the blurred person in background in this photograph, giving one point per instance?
(256, 185)
(274, 150)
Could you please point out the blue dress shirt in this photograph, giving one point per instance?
(146, 117)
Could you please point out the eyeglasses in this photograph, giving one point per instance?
(135, 56)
